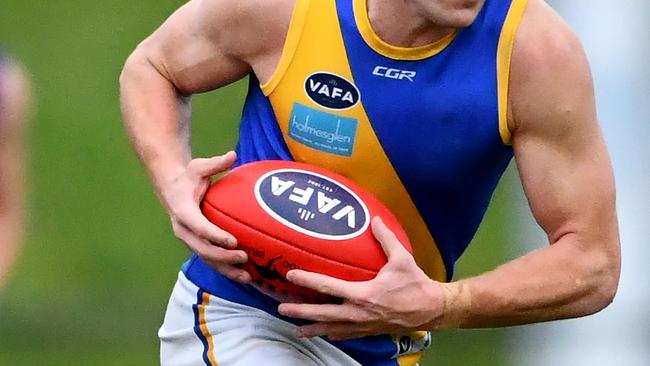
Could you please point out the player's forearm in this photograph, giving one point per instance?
(562, 281)
(157, 119)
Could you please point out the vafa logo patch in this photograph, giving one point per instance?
(331, 91)
(312, 204)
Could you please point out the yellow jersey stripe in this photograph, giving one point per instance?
(410, 359)
(504, 59)
(290, 44)
(320, 50)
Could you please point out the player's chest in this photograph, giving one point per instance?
(332, 119)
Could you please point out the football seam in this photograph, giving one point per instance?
(372, 271)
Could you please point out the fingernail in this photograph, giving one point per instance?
(291, 275)
(242, 278)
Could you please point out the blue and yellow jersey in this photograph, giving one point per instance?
(423, 128)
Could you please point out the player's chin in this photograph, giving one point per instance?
(463, 13)
(461, 18)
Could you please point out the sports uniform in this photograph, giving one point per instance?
(422, 128)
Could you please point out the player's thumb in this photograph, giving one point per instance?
(205, 167)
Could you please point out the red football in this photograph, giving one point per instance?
(289, 215)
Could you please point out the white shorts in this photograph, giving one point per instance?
(203, 330)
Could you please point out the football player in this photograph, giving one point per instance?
(429, 100)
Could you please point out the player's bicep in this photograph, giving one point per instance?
(559, 149)
(190, 49)
(570, 188)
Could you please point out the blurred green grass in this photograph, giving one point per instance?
(99, 262)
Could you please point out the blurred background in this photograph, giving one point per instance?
(99, 261)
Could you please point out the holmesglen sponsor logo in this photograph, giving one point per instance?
(323, 131)
(312, 204)
(325, 135)
(331, 91)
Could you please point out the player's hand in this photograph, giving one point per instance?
(399, 300)
(183, 197)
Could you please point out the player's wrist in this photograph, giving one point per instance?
(457, 300)
(166, 181)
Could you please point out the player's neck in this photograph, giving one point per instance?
(387, 18)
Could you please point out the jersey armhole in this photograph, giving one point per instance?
(504, 59)
(294, 32)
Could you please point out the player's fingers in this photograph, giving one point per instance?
(194, 220)
(322, 283)
(345, 312)
(222, 260)
(206, 250)
(205, 167)
(216, 254)
(389, 242)
(234, 273)
(335, 331)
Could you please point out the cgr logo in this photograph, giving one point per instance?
(397, 74)
(312, 204)
(331, 91)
